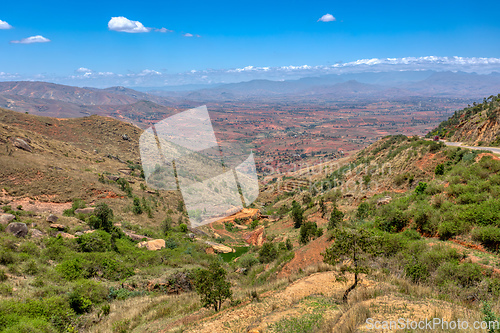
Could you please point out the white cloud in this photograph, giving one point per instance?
(327, 18)
(123, 24)
(187, 34)
(163, 30)
(84, 70)
(4, 25)
(31, 40)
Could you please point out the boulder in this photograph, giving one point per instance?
(152, 245)
(137, 237)
(57, 226)
(78, 233)
(17, 229)
(88, 210)
(220, 248)
(113, 178)
(65, 235)
(35, 233)
(6, 218)
(52, 218)
(190, 235)
(256, 237)
(21, 144)
(241, 227)
(384, 201)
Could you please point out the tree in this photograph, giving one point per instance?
(297, 214)
(355, 245)
(439, 169)
(308, 231)
(102, 218)
(322, 207)
(212, 286)
(336, 218)
(267, 253)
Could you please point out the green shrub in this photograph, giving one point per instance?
(70, 269)
(417, 272)
(451, 228)
(267, 253)
(307, 231)
(30, 325)
(97, 241)
(336, 217)
(183, 227)
(7, 257)
(79, 303)
(29, 248)
(3, 276)
(297, 214)
(411, 234)
(489, 236)
(104, 217)
(77, 203)
(247, 261)
(464, 275)
(31, 267)
(136, 207)
(166, 224)
(439, 170)
(288, 244)
(420, 189)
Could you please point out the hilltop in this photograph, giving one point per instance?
(477, 125)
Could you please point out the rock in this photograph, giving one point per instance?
(137, 237)
(190, 235)
(88, 210)
(52, 218)
(35, 233)
(6, 218)
(17, 229)
(57, 226)
(197, 231)
(241, 270)
(152, 245)
(78, 233)
(125, 137)
(220, 248)
(241, 227)
(21, 144)
(125, 171)
(113, 178)
(256, 237)
(209, 250)
(88, 231)
(384, 201)
(65, 235)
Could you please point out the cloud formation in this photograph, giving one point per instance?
(327, 18)
(4, 25)
(163, 30)
(123, 24)
(31, 40)
(156, 78)
(187, 34)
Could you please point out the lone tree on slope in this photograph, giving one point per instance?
(355, 245)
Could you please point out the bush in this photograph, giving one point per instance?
(183, 227)
(71, 269)
(97, 241)
(247, 261)
(297, 214)
(77, 203)
(489, 236)
(137, 208)
(79, 303)
(166, 225)
(288, 244)
(336, 218)
(439, 170)
(102, 218)
(420, 189)
(417, 272)
(451, 228)
(308, 231)
(3, 276)
(267, 253)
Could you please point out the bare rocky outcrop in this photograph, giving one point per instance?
(59, 227)
(52, 218)
(88, 210)
(152, 245)
(256, 237)
(35, 233)
(22, 144)
(219, 248)
(17, 229)
(6, 218)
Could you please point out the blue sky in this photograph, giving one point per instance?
(236, 34)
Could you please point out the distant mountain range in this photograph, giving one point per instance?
(56, 100)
